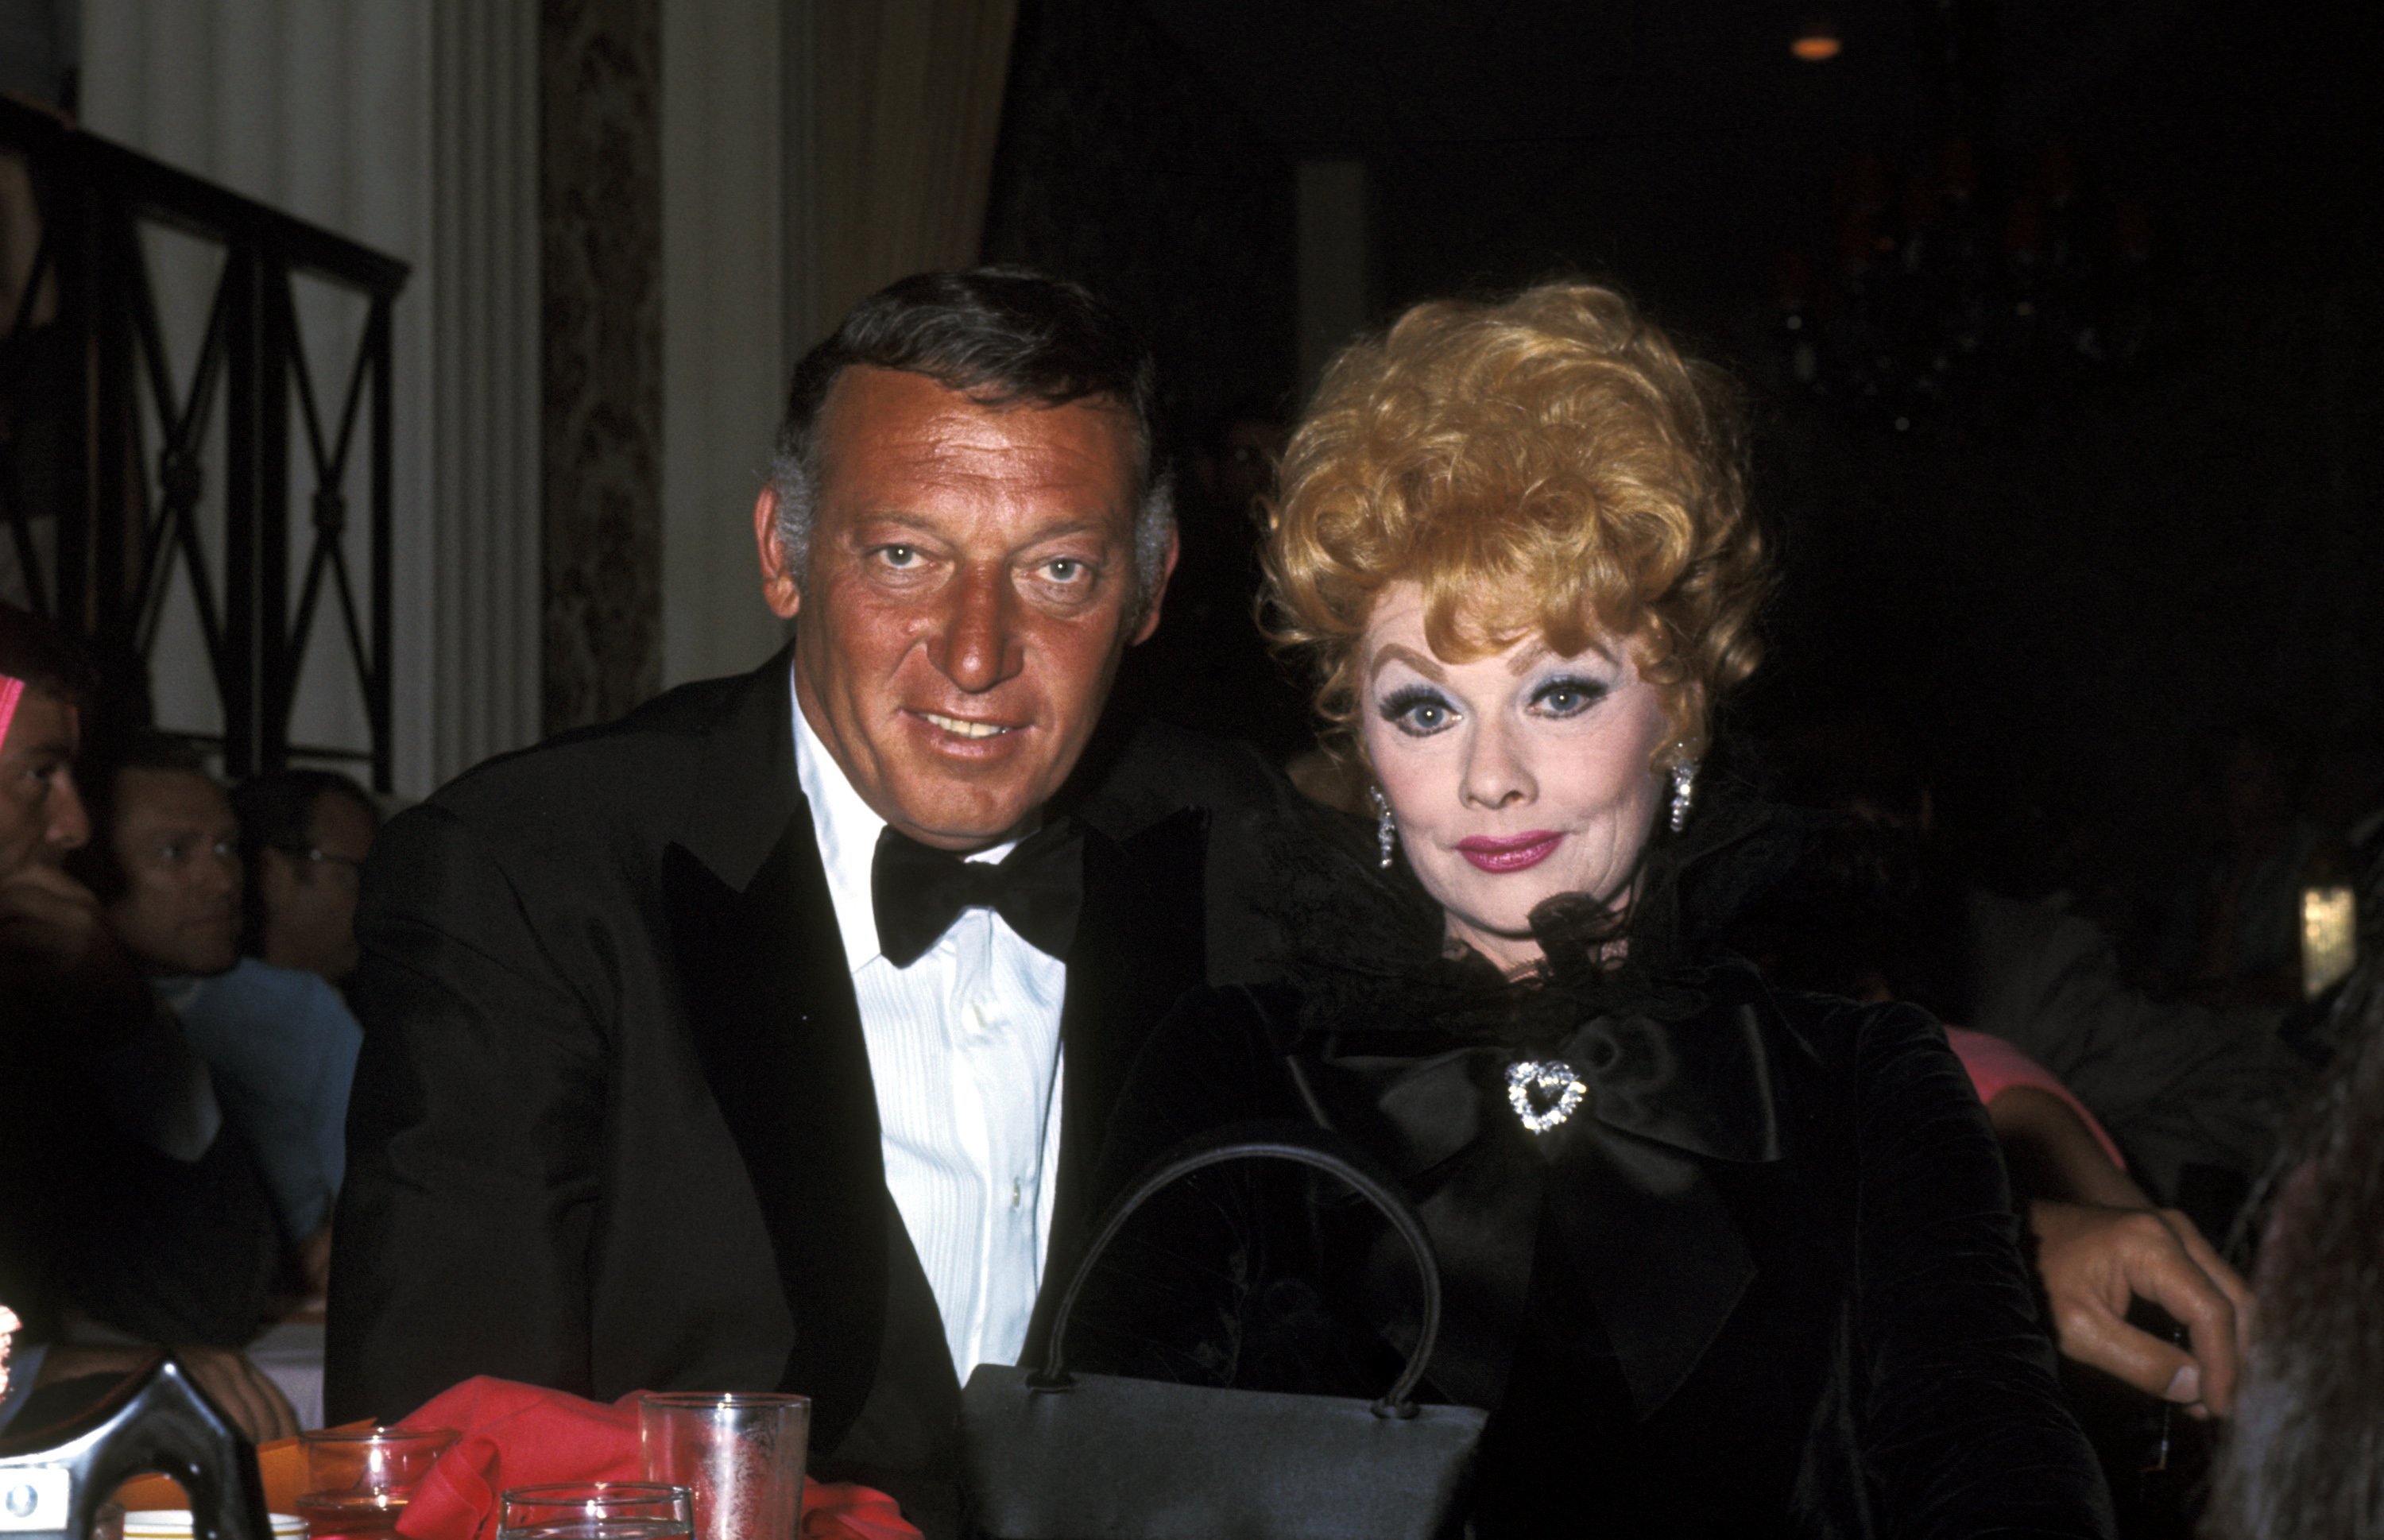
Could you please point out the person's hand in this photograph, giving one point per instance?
(49, 918)
(53, 926)
(54, 937)
(236, 1385)
(2095, 1260)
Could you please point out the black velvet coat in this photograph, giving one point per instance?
(1763, 1280)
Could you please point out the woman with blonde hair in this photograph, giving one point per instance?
(1719, 1260)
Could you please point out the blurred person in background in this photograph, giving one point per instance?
(2194, 1095)
(2305, 1456)
(2233, 939)
(97, 1091)
(303, 837)
(280, 1041)
(1860, 916)
(1208, 667)
(165, 863)
(193, 1251)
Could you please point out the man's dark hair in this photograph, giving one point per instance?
(33, 648)
(95, 864)
(1004, 336)
(277, 812)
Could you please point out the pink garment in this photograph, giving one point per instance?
(520, 1435)
(11, 692)
(1994, 1067)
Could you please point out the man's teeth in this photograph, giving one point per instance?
(966, 729)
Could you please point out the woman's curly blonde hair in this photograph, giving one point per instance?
(1547, 465)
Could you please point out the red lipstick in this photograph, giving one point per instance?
(1511, 855)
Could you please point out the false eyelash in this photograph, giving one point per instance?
(1592, 690)
(1401, 701)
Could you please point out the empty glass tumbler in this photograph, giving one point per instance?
(596, 1510)
(359, 1480)
(741, 1453)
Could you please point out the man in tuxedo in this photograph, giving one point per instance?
(696, 1056)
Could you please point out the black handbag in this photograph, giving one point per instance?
(1051, 1455)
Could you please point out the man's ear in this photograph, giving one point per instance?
(1158, 591)
(779, 590)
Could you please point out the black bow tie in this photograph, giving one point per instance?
(916, 892)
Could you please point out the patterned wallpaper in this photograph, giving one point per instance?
(1119, 164)
(600, 267)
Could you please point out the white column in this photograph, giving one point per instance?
(479, 693)
(724, 324)
(411, 127)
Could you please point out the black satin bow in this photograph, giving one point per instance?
(916, 892)
(1621, 1181)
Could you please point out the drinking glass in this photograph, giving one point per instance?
(359, 1481)
(596, 1510)
(175, 1523)
(741, 1453)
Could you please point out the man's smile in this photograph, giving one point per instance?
(964, 728)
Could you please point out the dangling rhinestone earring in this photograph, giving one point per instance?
(1386, 828)
(1685, 792)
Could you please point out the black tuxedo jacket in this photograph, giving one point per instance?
(613, 1126)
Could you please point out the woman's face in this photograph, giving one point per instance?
(1514, 777)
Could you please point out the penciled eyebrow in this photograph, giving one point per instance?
(1530, 657)
(1392, 651)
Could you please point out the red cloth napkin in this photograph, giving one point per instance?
(513, 1435)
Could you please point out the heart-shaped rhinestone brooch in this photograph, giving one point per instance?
(1544, 1092)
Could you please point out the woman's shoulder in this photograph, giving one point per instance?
(1216, 1059)
(1874, 1068)
(1856, 1036)
(1236, 1022)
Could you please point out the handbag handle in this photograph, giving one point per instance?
(1301, 1146)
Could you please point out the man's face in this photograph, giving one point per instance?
(310, 895)
(178, 845)
(42, 815)
(970, 590)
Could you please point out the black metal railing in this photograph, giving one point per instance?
(86, 351)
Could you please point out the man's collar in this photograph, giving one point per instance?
(737, 802)
(847, 828)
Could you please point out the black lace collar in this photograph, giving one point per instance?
(1362, 945)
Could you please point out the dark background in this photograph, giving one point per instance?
(2064, 572)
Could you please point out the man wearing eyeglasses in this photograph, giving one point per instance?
(304, 835)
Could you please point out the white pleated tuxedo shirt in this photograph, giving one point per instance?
(964, 1053)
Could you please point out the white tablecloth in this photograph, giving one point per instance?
(291, 1353)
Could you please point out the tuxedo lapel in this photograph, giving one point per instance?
(769, 1006)
(1140, 943)
(767, 994)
